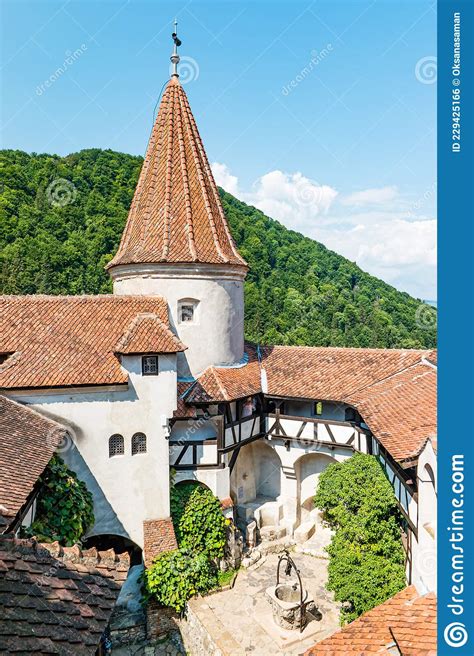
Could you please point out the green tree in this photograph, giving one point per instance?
(296, 292)
(366, 556)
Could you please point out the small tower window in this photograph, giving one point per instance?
(150, 365)
(138, 443)
(116, 446)
(187, 310)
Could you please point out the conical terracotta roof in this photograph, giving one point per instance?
(176, 214)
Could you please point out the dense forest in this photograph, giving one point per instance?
(61, 219)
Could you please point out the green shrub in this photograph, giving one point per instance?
(366, 556)
(175, 576)
(200, 528)
(198, 520)
(64, 508)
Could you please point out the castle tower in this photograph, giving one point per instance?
(177, 242)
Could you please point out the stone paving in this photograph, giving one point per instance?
(240, 620)
(170, 646)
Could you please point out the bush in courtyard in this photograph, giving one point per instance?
(200, 527)
(175, 576)
(366, 556)
(64, 509)
(199, 523)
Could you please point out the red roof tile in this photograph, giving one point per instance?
(401, 410)
(56, 600)
(72, 340)
(176, 213)
(184, 410)
(147, 333)
(394, 390)
(27, 443)
(407, 620)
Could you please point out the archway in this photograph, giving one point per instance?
(118, 543)
(191, 483)
(308, 469)
(257, 473)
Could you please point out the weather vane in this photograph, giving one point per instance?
(175, 57)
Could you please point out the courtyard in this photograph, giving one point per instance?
(239, 621)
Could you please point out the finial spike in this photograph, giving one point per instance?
(175, 57)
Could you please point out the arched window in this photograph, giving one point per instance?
(116, 445)
(138, 443)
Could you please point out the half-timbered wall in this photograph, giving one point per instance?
(280, 452)
(404, 492)
(324, 432)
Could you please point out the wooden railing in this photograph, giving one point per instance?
(325, 432)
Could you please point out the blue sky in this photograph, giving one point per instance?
(321, 113)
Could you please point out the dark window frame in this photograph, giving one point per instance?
(116, 441)
(150, 373)
(138, 443)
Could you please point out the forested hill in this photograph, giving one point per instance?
(62, 218)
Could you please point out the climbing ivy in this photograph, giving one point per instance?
(200, 527)
(64, 508)
(176, 576)
(366, 556)
(199, 523)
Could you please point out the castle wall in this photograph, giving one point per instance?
(216, 335)
(127, 489)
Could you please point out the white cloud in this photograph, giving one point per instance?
(371, 196)
(383, 240)
(290, 198)
(224, 178)
(401, 252)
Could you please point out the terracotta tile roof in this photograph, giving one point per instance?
(407, 620)
(27, 443)
(401, 410)
(394, 390)
(70, 340)
(147, 333)
(184, 410)
(176, 213)
(56, 600)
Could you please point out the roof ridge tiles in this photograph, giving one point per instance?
(74, 554)
(60, 297)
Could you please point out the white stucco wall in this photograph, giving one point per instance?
(217, 480)
(285, 475)
(216, 336)
(424, 549)
(127, 489)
